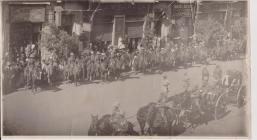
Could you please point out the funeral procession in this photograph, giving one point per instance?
(125, 68)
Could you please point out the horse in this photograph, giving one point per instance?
(105, 127)
(152, 121)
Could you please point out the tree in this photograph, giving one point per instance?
(54, 39)
(148, 35)
(209, 30)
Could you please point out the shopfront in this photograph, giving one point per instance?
(117, 20)
(25, 24)
(183, 15)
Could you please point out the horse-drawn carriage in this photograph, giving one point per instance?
(192, 108)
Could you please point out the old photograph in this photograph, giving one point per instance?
(126, 68)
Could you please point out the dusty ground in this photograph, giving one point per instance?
(66, 110)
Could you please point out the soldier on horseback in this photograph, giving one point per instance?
(165, 89)
(118, 117)
(162, 106)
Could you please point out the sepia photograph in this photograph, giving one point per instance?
(126, 68)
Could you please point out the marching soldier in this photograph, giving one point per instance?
(165, 89)
(186, 81)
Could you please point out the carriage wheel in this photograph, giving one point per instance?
(241, 96)
(220, 107)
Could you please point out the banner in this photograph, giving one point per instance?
(86, 27)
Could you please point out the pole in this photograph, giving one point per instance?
(91, 20)
(196, 16)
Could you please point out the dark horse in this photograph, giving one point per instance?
(104, 127)
(152, 122)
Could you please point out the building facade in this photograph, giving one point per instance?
(107, 20)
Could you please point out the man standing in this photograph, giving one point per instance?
(165, 89)
(217, 75)
(205, 76)
(186, 81)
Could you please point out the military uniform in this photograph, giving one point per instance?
(205, 76)
(217, 75)
(165, 90)
(186, 82)
(118, 118)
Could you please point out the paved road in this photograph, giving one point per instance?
(66, 110)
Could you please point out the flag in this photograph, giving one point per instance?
(86, 27)
(77, 28)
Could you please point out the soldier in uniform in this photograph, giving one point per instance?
(71, 59)
(33, 53)
(186, 82)
(217, 75)
(163, 97)
(205, 76)
(165, 89)
(118, 117)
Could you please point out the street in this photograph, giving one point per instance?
(67, 109)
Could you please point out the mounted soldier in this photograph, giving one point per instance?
(118, 117)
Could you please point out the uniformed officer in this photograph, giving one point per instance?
(217, 75)
(186, 82)
(205, 76)
(165, 89)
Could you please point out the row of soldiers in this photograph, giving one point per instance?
(16, 62)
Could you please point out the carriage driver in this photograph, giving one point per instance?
(162, 105)
(217, 75)
(165, 89)
(118, 117)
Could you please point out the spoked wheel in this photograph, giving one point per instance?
(220, 107)
(241, 96)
